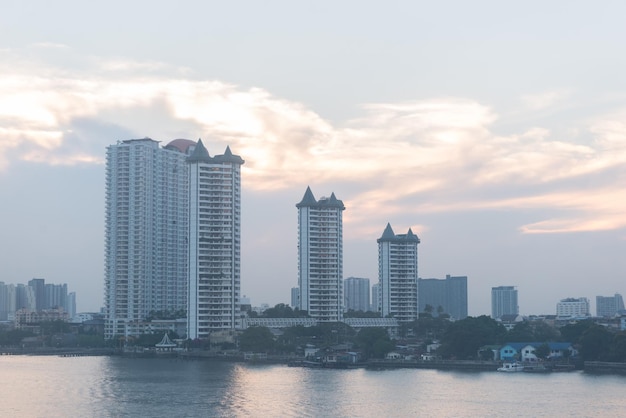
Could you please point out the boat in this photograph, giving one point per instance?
(511, 367)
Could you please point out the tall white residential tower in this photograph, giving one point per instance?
(145, 232)
(320, 256)
(214, 241)
(397, 274)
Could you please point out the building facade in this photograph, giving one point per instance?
(572, 308)
(609, 306)
(375, 306)
(503, 301)
(214, 242)
(444, 296)
(146, 229)
(320, 256)
(397, 274)
(356, 294)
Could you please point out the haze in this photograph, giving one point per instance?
(496, 131)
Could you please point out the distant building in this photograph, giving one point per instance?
(572, 308)
(39, 287)
(70, 304)
(356, 293)
(503, 301)
(448, 295)
(609, 306)
(320, 256)
(7, 301)
(397, 274)
(375, 306)
(295, 297)
(55, 296)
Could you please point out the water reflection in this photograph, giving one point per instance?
(120, 387)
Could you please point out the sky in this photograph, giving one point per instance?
(495, 130)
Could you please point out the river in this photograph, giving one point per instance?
(49, 386)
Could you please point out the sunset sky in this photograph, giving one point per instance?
(495, 130)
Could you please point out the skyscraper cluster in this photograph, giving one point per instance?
(36, 296)
(171, 235)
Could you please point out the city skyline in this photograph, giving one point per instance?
(495, 132)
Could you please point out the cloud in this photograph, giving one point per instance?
(438, 154)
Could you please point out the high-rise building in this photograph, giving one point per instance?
(214, 241)
(56, 296)
(375, 307)
(70, 305)
(7, 301)
(397, 274)
(25, 298)
(444, 296)
(609, 306)
(295, 297)
(503, 301)
(320, 256)
(146, 232)
(39, 287)
(572, 308)
(356, 294)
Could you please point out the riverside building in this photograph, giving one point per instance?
(146, 231)
(397, 274)
(214, 241)
(320, 256)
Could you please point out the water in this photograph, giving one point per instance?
(123, 387)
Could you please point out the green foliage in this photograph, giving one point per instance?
(595, 343)
(573, 332)
(14, 337)
(361, 314)
(543, 351)
(256, 339)
(54, 327)
(374, 342)
(90, 340)
(463, 338)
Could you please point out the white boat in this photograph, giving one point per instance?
(511, 367)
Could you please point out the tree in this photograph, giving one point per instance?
(374, 341)
(595, 343)
(256, 339)
(463, 338)
(543, 351)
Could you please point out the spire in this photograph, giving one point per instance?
(229, 157)
(308, 199)
(388, 233)
(200, 154)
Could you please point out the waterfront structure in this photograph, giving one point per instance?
(356, 292)
(397, 274)
(572, 308)
(320, 256)
(444, 296)
(609, 306)
(503, 301)
(214, 256)
(375, 306)
(146, 232)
